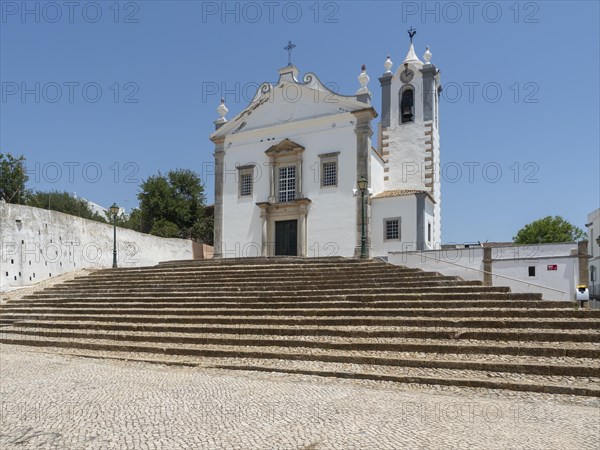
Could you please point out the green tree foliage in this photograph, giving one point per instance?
(164, 228)
(548, 230)
(204, 231)
(13, 177)
(132, 221)
(65, 203)
(172, 205)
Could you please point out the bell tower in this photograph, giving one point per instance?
(408, 132)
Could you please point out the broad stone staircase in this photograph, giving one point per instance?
(324, 316)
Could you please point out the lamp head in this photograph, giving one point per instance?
(114, 209)
(363, 184)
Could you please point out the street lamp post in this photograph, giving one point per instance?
(114, 210)
(363, 184)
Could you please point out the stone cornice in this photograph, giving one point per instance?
(285, 147)
(365, 114)
(284, 205)
(287, 127)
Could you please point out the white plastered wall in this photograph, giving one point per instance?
(403, 207)
(331, 219)
(38, 244)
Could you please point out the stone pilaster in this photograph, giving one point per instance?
(363, 169)
(386, 98)
(583, 260)
(264, 216)
(429, 71)
(420, 221)
(487, 266)
(218, 217)
(302, 230)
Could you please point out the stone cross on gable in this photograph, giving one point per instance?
(289, 49)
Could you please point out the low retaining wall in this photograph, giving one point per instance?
(37, 244)
(555, 271)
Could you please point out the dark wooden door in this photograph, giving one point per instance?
(286, 238)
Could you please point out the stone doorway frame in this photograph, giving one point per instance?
(274, 212)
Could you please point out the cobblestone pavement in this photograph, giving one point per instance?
(53, 401)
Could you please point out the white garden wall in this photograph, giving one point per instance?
(556, 266)
(37, 244)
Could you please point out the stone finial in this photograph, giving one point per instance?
(363, 79)
(388, 65)
(222, 110)
(427, 55)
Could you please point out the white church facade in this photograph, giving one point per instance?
(288, 167)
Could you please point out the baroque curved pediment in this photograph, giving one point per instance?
(290, 100)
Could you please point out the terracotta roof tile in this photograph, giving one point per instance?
(400, 193)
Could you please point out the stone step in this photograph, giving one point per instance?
(203, 302)
(580, 386)
(505, 296)
(260, 260)
(502, 363)
(301, 296)
(279, 261)
(255, 278)
(282, 290)
(460, 322)
(355, 266)
(364, 312)
(266, 286)
(403, 345)
(332, 315)
(333, 268)
(217, 266)
(279, 287)
(446, 377)
(538, 334)
(261, 287)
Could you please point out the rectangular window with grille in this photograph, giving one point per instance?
(329, 174)
(287, 184)
(329, 169)
(392, 229)
(245, 184)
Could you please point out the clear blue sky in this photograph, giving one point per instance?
(533, 112)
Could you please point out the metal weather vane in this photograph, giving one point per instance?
(289, 49)
(411, 34)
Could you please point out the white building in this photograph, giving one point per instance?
(287, 167)
(593, 227)
(554, 270)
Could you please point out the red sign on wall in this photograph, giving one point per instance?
(552, 267)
